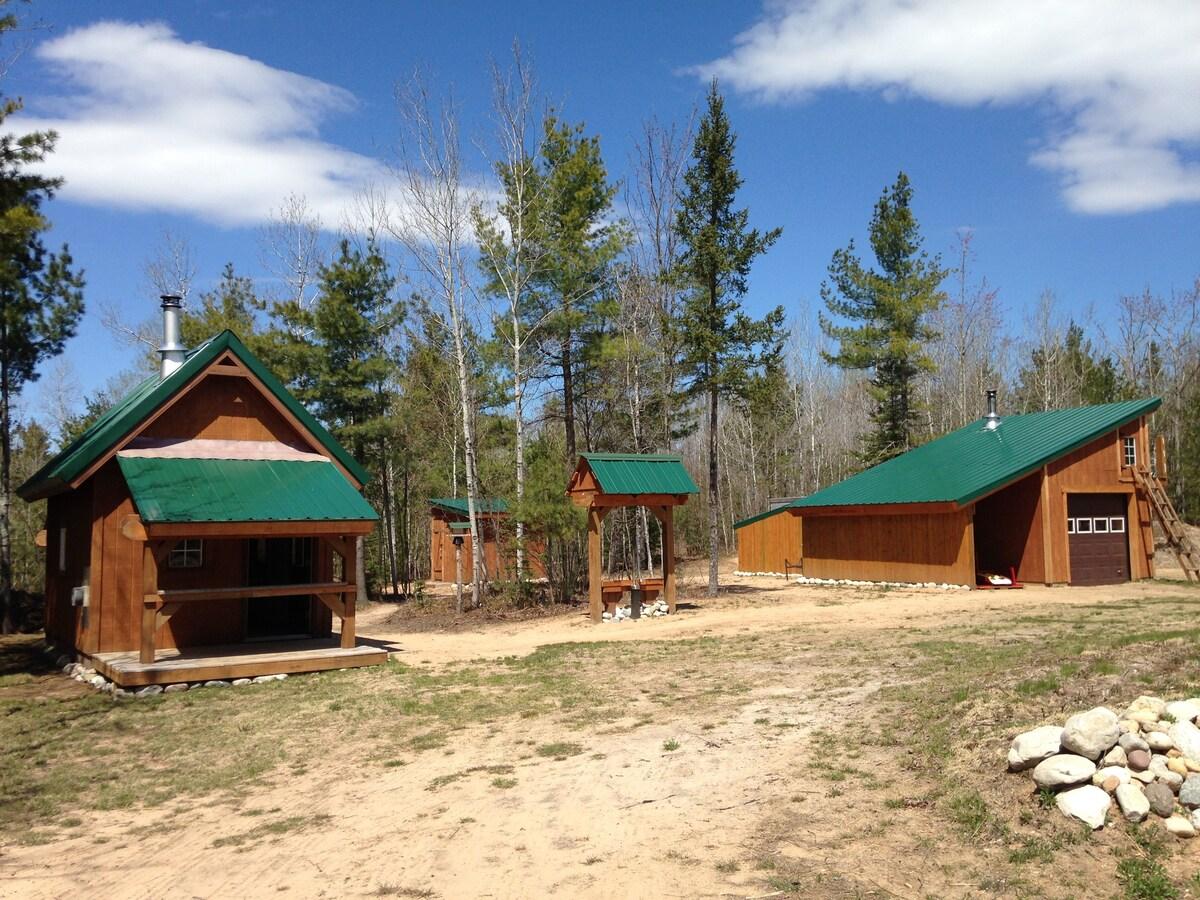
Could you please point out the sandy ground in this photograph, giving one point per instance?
(623, 819)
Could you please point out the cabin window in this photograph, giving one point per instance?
(62, 549)
(187, 554)
(1129, 450)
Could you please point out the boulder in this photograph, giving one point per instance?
(1115, 757)
(1189, 792)
(1145, 703)
(1145, 777)
(1180, 827)
(1175, 764)
(1089, 804)
(1063, 770)
(216, 683)
(239, 682)
(1132, 802)
(1159, 741)
(1091, 734)
(176, 688)
(1129, 726)
(1160, 798)
(1186, 737)
(1142, 716)
(1183, 710)
(1139, 760)
(1031, 747)
(150, 690)
(1192, 765)
(1131, 741)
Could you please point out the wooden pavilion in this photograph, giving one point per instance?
(603, 482)
(204, 528)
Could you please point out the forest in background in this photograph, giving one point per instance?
(469, 341)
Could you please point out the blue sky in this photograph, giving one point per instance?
(1067, 141)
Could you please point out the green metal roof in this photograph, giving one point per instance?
(240, 490)
(640, 473)
(749, 520)
(971, 462)
(459, 504)
(124, 417)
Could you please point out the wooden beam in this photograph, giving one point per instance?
(259, 529)
(1047, 535)
(1106, 488)
(189, 595)
(595, 564)
(335, 603)
(616, 500)
(348, 621)
(351, 596)
(149, 610)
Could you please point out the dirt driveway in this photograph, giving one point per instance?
(743, 749)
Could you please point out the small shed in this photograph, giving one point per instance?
(1058, 497)
(770, 543)
(204, 528)
(605, 481)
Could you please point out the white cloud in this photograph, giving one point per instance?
(151, 122)
(1121, 79)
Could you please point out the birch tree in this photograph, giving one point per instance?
(431, 219)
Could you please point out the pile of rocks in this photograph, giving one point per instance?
(1147, 759)
(804, 579)
(625, 614)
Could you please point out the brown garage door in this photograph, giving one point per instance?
(1099, 538)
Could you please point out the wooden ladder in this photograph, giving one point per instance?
(1189, 558)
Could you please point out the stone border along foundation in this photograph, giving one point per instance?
(85, 674)
(804, 579)
(1148, 759)
(655, 610)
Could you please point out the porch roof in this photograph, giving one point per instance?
(172, 489)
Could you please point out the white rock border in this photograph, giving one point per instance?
(804, 579)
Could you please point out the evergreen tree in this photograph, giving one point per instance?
(579, 245)
(888, 310)
(41, 299)
(721, 344)
(232, 304)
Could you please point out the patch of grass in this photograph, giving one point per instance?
(1046, 798)
(270, 829)
(504, 783)
(1036, 687)
(670, 745)
(1144, 878)
(559, 749)
(728, 866)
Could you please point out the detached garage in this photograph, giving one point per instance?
(1059, 497)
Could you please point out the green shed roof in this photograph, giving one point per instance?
(640, 473)
(168, 489)
(971, 462)
(124, 417)
(758, 517)
(459, 504)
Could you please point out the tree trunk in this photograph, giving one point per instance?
(568, 401)
(713, 488)
(519, 415)
(7, 625)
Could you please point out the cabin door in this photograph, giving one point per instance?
(1098, 535)
(279, 561)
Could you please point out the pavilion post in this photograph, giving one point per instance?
(668, 523)
(349, 599)
(145, 585)
(595, 603)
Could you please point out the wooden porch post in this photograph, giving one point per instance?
(351, 567)
(595, 604)
(668, 522)
(145, 584)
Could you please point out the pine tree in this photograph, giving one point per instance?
(580, 244)
(722, 345)
(41, 299)
(888, 310)
(232, 304)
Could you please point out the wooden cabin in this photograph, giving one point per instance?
(204, 528)
(449, 518)
(1059, 497)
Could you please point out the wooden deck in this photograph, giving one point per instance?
(230, 661)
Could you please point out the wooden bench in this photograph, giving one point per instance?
(612, 592)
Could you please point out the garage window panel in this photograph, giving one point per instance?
(1100, 525)
(1083, 526)
(1117, 524)
(1070, 526)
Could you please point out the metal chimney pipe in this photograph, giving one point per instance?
(992, 418)
(171, 351)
